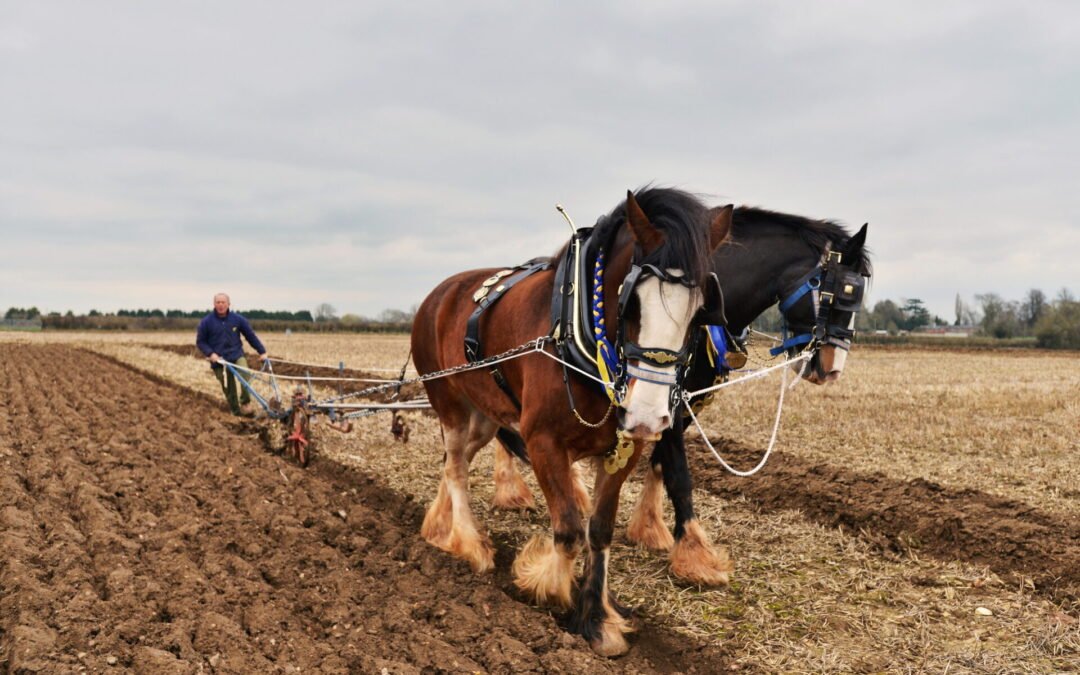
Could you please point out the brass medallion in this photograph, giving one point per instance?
(735, 360)
(618, 456)
(494, 278)
(660, 357)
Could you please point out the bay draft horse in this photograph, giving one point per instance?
(663, 238)
(770, 258)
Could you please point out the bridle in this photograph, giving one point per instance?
(834, 289)
(614, 359)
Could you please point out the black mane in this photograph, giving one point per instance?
(682, 217)
(816, 233)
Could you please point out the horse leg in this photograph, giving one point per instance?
(449, 523)
(598, 616)
(544, 569)
(693, 556)
(646, 526)
(511, 492)
(581, 493)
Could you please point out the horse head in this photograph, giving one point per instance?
(819, 308)
(662, 258)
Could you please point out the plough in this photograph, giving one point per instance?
(304, 407)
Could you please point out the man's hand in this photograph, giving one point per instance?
(214, 358)
(263, 357)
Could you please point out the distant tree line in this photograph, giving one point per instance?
(389, 320)
(20, 313)
(323, 319)
(1054, 324)
(302, 315)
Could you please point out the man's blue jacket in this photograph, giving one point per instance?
(221, 335)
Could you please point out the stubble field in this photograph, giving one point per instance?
(923, 515)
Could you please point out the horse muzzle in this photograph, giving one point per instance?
(643, 428)
(826, 366)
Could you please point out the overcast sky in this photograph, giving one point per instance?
(356, 153)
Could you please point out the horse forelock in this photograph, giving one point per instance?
(684, 220)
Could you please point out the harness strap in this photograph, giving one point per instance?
(474, 351)
(793, 341)
(654, 376)
(810, 282)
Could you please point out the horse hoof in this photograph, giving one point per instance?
(694, 559)
(611, 642)
(650, 534)
(544, 573)
(511, 501)
(479, 553)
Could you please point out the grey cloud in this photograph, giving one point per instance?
(325, 142)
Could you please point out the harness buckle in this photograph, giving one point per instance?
(829, 257)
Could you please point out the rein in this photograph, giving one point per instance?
(806, 355)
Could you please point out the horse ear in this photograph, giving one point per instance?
(856, 242)
(643, 231)
(720, 227)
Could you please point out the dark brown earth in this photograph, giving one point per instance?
(1009, 536)
(145, 530)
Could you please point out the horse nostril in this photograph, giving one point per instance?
(665, 422)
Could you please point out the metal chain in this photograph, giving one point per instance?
(597, 425)
(536, 344)
(762, 362)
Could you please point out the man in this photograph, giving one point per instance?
(218, 338)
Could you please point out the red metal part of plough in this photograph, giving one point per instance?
(298, 422)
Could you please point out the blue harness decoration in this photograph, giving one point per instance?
(718, 349)
(607, 361)
(809, 284)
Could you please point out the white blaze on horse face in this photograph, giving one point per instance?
(832, 373)
(666, 312)
(832, 361)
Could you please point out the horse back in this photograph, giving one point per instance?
(438, 336)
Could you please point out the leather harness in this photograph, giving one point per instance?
(485, 298)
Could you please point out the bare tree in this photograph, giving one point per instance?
(1033, 307)
(325, 312)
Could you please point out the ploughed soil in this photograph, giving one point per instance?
(145, 530)
(1009, 536)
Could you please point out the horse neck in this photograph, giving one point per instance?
(756, 267)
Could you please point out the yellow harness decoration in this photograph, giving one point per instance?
(606, 360)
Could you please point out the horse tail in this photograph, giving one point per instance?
(513, 443)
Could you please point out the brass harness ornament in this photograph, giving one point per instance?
(660, 357)
(618, 456)
(482, 292)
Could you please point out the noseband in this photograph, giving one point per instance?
(833, 288)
